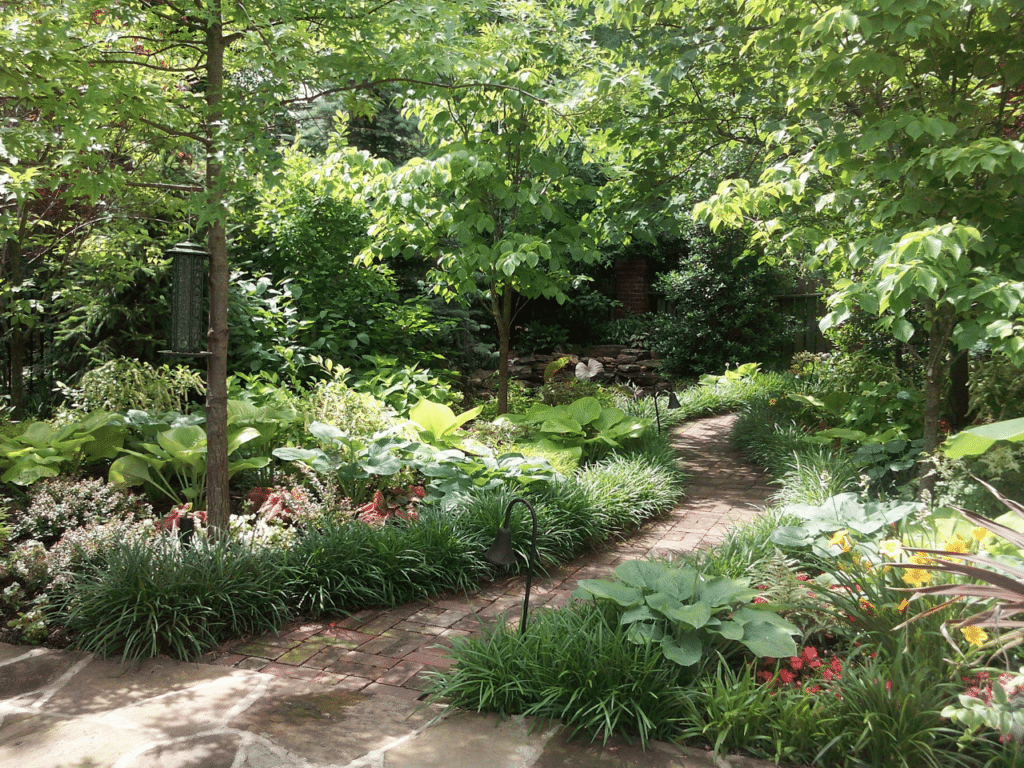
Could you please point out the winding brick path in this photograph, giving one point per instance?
(387, 651)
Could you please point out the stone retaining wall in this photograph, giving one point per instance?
(620, 364)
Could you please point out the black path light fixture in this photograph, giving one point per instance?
(189, 320)
(673, 404)
(503, 553)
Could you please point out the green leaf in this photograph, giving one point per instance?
(791, 536)
(976, 440)
(620, 594)
(641, 573)
(722, 590)
(585, 410)
(764, 639)
(684, 651)
(639, 613)
(902, 329)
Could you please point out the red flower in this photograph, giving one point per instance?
(760, 600)
(796, 662)
(786, 676)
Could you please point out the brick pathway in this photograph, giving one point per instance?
(389, 650)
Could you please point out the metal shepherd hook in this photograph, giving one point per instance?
(502, 552)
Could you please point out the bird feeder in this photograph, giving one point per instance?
(189, 264)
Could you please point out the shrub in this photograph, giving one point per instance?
(722, 309)
(732, 711)
(345, 565)
(997, 389)
(889, 713)
(58, 505)
(122, 384)
(626, 491)
(358, 413)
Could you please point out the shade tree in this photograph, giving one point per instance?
(897, 165)
(501, 208)
(210, 81)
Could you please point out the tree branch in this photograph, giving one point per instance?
(191, 188)
(175, 132)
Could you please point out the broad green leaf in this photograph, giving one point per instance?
(585, 410)
(32, 468)
(684, 651)
(976, 440)
(681, 583)
(730, 630)
(621, 594)
(792, 536)
(305, 455)
(764, 639)
(695, 615)
(641, 573)
(436, 419)
(722, 590)
(326, 432)
(639, 613)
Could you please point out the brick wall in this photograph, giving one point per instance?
(632, 286)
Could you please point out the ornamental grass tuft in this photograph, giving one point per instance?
(573, 664)
(156, 597)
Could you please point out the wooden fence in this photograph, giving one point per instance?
(806, 309)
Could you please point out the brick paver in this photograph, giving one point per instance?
(390, 650)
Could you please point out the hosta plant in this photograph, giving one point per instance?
(844, 520)
(687, 615)
(583, 429)
(175, 464)
(42, 450)
(438, 426)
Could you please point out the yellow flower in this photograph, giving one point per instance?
(979, 533)
(957, 544)
(841, 539)
(903, 606)
(917, 577)
(773, 401)
(890, 548)
(974, 635)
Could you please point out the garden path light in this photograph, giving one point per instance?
(503, 553)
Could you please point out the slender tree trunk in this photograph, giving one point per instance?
(936, 375)
(502, 310)
(218, 499)
(16, 358)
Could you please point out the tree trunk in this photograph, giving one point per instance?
(502, 310)
(218, 499)
(936, 374)
(16, 356)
